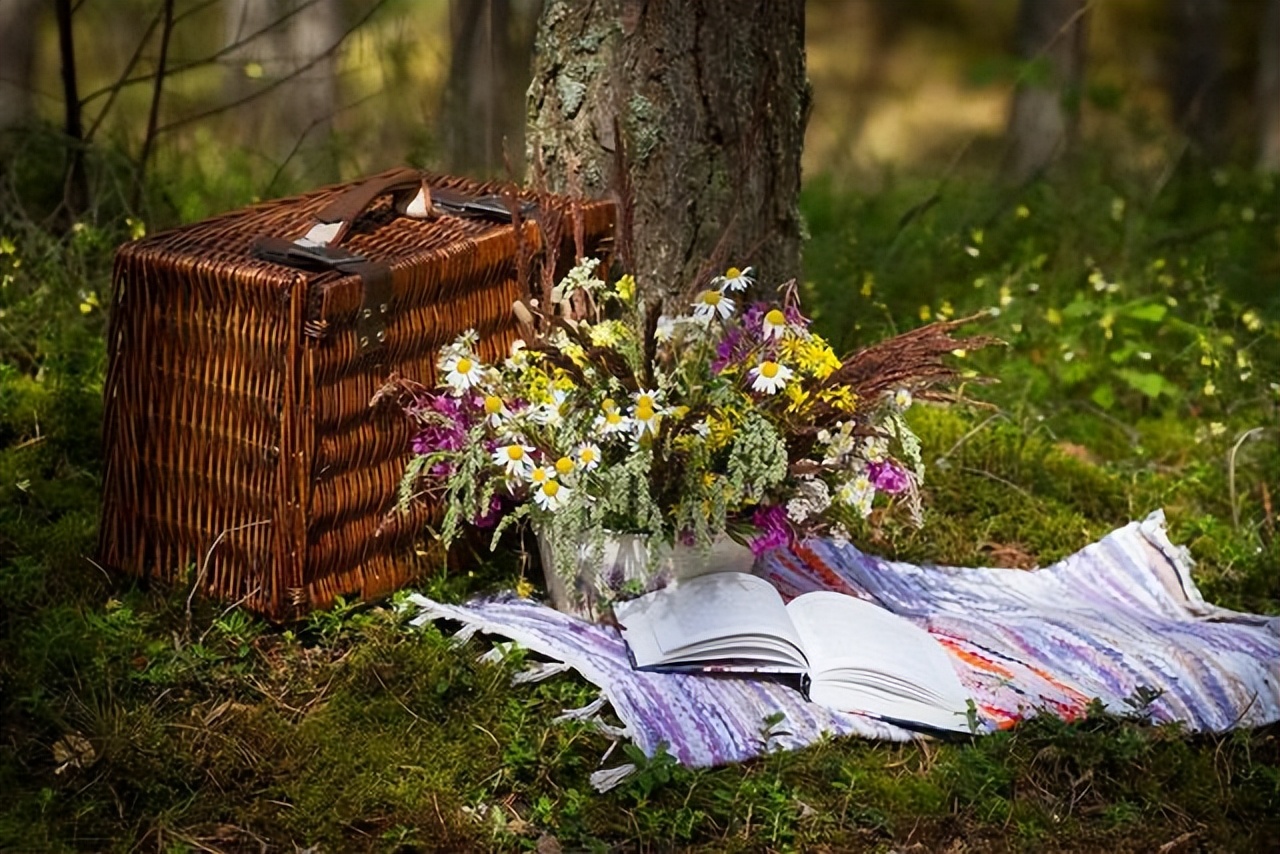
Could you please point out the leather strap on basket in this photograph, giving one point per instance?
(320, 248)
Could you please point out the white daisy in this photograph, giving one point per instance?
(495, 410)
(516, 459)
(462, 372)
(769, 377)
(551, 495)
(775, 324)
(702, 428)
(735, 279)
(902, 399)
(711, 304)
(613, 423)
(541, 474)
(665, 329)
(588, 456)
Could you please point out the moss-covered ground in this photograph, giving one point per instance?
(1143, 331)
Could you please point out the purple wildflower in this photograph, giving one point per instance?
(490, 516)
(445, 429)
(774, 531)
(889, 477)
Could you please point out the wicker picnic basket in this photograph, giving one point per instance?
(243, 454)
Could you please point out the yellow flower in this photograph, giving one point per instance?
(564, 466)
(796, 396)
(524, 588)
(720, 432)
(626, 287)
(839, 398)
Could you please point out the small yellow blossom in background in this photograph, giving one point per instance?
(868, 284)
(7, 246)
(524, 588)
(1217, 428)
(960, 354)
(563, 382)
(88, 301)
(1006, 296)
(1053, 317)
(1251, 320)
(925, 312)
(1210, 389)
(137, 228)
(626, 287)
(1022, 212)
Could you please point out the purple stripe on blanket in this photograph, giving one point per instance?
(1118, 616)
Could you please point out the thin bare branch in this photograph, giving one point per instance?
(275, 84)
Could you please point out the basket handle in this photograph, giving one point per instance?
(334, 220)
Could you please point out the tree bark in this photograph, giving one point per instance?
(491, 51)
(1197, 90)
(19, 30)
(1268, 94)
(1043, 120)
(703, 103)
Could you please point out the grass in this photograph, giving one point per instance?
(129, 720)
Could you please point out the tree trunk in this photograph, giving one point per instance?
(1050, 37)
(491, 51)
(1269, 89)
(287, 39)
(19, 29)
(703, 103)
(1197, 90)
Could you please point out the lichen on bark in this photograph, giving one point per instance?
(709, 98)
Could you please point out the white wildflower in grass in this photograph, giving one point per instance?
(710, 305)
(902, 399)
(516, 459)
(462, 372)
(775, 324)
(551, 495)
(769, 377)
(588, 456)
(702, 428)
(735, 279)
(495, 410)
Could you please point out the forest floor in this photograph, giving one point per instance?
(1140, 373)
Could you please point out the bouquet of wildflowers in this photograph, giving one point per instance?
(728, 419)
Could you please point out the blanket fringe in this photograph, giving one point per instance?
(608, 778)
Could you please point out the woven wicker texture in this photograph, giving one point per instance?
(242, 452)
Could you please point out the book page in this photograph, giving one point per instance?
(720, 616)
(864, 658)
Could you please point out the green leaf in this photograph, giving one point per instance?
(1152, 312)
(1149, 383)
(1104, 395)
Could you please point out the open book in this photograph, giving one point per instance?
(857, 656)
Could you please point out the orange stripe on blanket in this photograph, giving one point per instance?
(830, 580)
(973, 659)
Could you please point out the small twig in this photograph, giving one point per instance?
(166, 35)
(208, 556)
(967, 436)
(998, 479)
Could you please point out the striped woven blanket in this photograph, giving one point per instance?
(1121, 622)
